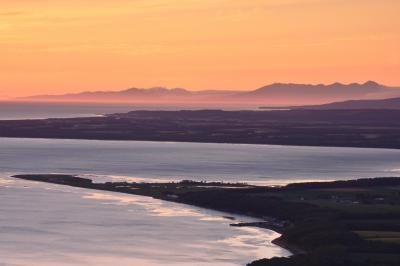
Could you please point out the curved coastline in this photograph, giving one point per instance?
(75, 181)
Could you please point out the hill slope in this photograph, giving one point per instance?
(392, 103)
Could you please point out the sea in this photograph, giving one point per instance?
(48, 224)
(10, 110)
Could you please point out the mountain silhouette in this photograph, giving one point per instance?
(274, 94)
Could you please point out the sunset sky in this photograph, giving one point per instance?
(49, 46)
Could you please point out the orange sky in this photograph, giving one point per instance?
(49, 46)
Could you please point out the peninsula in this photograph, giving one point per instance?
(354, 222)
(336, 128)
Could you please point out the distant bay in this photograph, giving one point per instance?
(258, 164)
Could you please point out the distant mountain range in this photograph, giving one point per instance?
(275, 95)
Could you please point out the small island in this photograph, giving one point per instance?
(355, 222)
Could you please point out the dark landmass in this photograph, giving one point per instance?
(341, 223)
(276, 94)
(346, 128)
(392, 103)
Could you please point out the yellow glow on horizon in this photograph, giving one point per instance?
(69, 46)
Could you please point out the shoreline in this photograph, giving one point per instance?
(265, 224)
(293, 249)
(198, 142)
(288, 246)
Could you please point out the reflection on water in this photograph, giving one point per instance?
(246, 240)
(59, 225)
(158, 208)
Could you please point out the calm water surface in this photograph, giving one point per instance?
(259, 164)
(32, 110)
